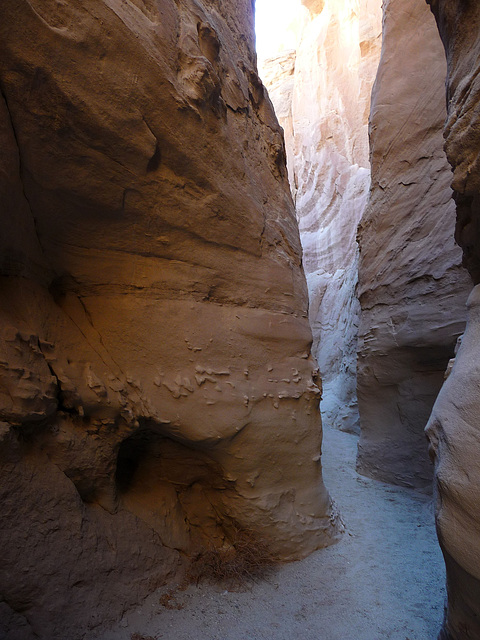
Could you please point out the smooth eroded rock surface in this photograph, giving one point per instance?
(454, 428)
(412, 288)
(321, 94)
(453, 434)
(157, 389)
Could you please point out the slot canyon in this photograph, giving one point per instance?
(240, 319)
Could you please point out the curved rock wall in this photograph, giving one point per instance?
(453, 433)
(412, 288)
(458, 25)
(322, 97)
(157, 388)
(453, 428)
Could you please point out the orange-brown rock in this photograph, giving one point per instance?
(453, 428)
(412, 288)
(157, 386)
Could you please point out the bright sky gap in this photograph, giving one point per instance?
(275, 22)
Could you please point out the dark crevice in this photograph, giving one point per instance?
(130, 454)
(61, 407)
(155, 160)
(242, 110)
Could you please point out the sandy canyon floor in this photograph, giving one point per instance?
(383, 581)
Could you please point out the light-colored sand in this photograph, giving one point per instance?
(383, 581)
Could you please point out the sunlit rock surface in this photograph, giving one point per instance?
(321, 94)
(454, 425)
(278, 75)
(412, 288)
(157, 389)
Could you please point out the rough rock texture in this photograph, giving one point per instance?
(454, 435)
(458, 25)
(278, 75)
(454, 425)
(332, 76)
(157, 387)
(412, 288)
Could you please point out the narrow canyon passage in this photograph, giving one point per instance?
(206, 253)
(384, 580)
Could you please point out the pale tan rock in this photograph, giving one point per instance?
(412, 289)
(453, 426)
(278, 75)
(157, 382)
(325, 122)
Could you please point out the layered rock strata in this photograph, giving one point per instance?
(322, 96)
(157, 388)
(453, 428)
(412, 288)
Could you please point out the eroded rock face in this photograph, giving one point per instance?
(453, 434)
(328, 82)
(412, 288)
(278, 75)
(458, 25)
(453, 427)
(156, 380)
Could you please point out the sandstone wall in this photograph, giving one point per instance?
(328, 83)
(278, 75)
(157, 388)
(453, 428)
(412, 288)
